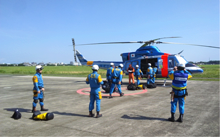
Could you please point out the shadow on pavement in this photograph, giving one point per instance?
(69, 114)
(19, 109)
(138, 117)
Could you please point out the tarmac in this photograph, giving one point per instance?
(138, 113)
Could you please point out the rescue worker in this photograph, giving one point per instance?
(138, 74)
(117, 74)
(131, 75)
(172, 92)
(179, 84)
(109, 73)
(38, 89)
(154, 74)
(149, 74)
(95, 80)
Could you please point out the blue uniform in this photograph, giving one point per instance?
(117, 74)
(150, 75)
(179, 84)
(137, 73)
(154, 74)
(95, 81)
(109, 74)
(38, 85)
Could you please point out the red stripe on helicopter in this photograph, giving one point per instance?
(164, 70)
(129, 56)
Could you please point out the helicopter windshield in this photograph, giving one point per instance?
(181, 60)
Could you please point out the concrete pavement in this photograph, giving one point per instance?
(142, 114)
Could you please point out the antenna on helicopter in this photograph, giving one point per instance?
(74, 50)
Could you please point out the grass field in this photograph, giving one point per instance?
(211, 72)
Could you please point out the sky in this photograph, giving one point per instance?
(42, 30)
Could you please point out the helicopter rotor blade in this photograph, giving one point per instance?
(111, 43)
(145, 42)
(189, 44)
(165, 38)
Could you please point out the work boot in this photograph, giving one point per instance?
(172, 117)
(110, 96)
(90, 114)
(34, 109)
(180, 119)
(121, 94)
(98, 115)
(43, 109)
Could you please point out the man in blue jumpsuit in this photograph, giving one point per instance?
(154, 73)
(179, 84)
(117, 75)
(149, 74)
(95, 80)
(38, 89)
(109, 73)
(138, 73)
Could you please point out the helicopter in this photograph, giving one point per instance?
(147, 53)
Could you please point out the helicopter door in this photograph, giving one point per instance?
(172, 63)
(144, 64)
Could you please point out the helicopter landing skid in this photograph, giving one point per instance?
(164, 84)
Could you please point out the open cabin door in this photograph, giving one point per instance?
(144, 64)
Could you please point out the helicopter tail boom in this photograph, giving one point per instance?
(81, 58)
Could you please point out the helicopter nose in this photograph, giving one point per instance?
(200, 70)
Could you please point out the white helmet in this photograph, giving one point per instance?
(137, 66)
(181, 65)
(121, 65)
(95, 67)
(111, 64)
(38, 67)
(149, 64)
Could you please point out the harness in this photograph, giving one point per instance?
(186, 93)
(130, 70)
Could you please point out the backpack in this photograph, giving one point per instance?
(131, 87)
(141, 86)
(44, 116)
(106, 87)
(16, 115)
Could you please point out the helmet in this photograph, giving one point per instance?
(95, 67)
(181, 65)
(39, 67)
(121, 65)
(137, 66)
(149, 64)
(111, 64)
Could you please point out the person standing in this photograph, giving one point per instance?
(179, 82)
(109, 73)
(138, 74)
(38, 89)
(117, 75)
(95, 80)
(154, 74)
(149, 74)
(131, 74)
